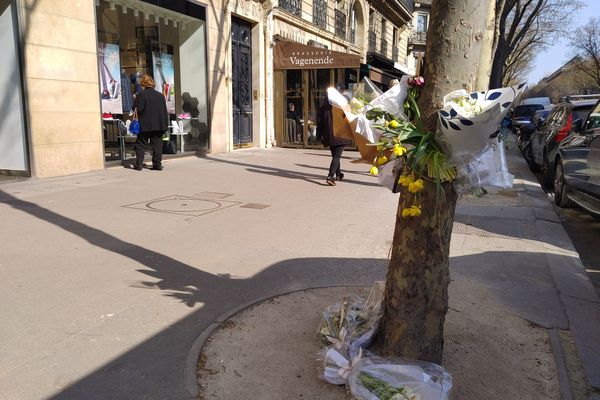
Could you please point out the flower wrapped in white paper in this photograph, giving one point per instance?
(337, 364)
(469, 119)
(386, 378)
(488, 168)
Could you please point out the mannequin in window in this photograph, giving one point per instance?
(126, 92)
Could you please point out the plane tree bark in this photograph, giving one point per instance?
(416, 293)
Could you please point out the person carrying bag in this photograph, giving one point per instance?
(153, 118)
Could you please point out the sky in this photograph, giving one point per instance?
(557, 55)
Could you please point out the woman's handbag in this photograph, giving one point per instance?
(134, 127)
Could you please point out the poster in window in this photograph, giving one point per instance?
(109, 66)
(164, 78)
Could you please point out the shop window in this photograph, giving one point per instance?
(137, 38)
(294, 106)
(13, 143)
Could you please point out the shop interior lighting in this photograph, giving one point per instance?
(136, 13)
(112, 6)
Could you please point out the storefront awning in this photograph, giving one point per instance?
(291, 55)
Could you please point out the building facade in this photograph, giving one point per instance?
(417, 39)
(72, 69)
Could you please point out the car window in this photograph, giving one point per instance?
(581, 113)
(556, 116)
(527, 110)
(593, 121)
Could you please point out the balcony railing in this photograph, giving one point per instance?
(372, 41)
(320, 13)
(340, 24)
(384, 47)
(410, 4)
(419, 38)
(294, 7)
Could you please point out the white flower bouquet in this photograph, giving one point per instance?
(468, 120)
(390, 378)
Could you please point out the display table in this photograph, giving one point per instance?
(180, 130)
(180, 139)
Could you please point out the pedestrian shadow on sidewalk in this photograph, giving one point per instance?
(155, 369)
(284, 173)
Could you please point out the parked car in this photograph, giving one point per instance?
(522, 115)
(545, 101)
(577, 167)
(565, 118)
(524, 136)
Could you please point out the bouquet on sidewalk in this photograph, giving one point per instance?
(390, 378)
(346, 328)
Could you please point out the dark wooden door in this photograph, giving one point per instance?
(241, 81)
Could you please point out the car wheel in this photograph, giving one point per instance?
(547, 178)
(560, 188)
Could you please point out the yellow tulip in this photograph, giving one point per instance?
(405, 180)
(379, 147)
(415, 186)
(382, 160)
(374, 171)
(415, 211)
(399, 150)
(394, 124)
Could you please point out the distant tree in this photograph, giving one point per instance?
(586, 42)
(523, 28)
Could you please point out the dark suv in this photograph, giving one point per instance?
(566, 117)
(577, 167)
(523, 114)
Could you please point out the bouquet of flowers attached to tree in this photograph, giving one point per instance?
(465, 146)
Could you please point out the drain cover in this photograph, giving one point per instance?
(183, 205)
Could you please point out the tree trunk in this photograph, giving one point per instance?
(454, 42)
(416, 295)
(486, 54)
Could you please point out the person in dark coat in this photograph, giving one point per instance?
(336, 145)
(154, 121)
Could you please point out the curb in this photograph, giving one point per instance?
(190, 371)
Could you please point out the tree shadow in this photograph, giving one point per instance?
(156, 368)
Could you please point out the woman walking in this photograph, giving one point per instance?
(152, 113)
(336, 144)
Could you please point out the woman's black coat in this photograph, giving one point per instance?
(325, 126)
(152, 111)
